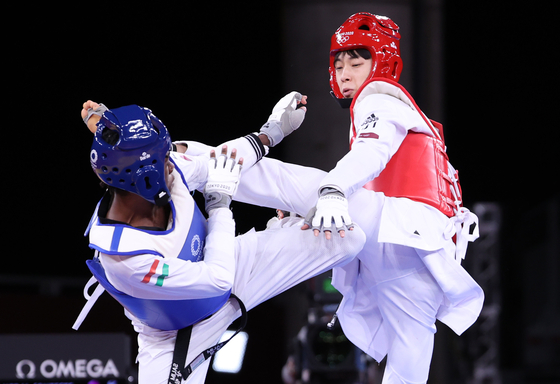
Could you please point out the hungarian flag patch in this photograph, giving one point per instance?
(158, 272)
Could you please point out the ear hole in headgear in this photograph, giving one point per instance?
(147, 181)
(395, 67)
(110, 136)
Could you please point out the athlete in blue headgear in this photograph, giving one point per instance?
(129, 152)
(169, 267)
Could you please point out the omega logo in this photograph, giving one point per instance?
(80, 368)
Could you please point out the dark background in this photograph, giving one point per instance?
(212, 72)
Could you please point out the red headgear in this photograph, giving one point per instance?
(379, 35)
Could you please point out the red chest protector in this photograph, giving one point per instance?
(420, 169)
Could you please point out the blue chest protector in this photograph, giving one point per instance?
(157, 313)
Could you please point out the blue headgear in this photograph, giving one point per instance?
(134, 160)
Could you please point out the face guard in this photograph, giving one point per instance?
(379, 35)
(129, 151)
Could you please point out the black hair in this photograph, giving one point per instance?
(354, 54)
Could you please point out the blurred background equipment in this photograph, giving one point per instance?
(321, 353)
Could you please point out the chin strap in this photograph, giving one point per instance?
(344, 103)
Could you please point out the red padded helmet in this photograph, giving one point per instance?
(379, 35)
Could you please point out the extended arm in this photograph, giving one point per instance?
(276, 184)
(287, 116)
(381, 122)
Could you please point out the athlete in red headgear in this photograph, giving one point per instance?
(378, 35)
(408, 274)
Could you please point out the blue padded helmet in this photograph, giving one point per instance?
(129, 151)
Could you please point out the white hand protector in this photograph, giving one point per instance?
(331, 211)
(223, 178)
(285, 118)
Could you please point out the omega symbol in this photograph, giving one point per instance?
(19, 369)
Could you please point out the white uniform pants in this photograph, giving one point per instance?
(408, 302)
(268, 263)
